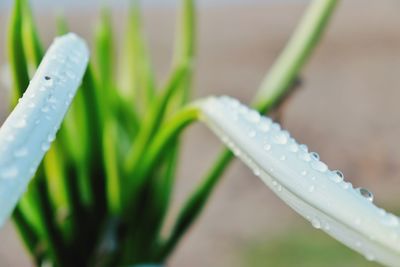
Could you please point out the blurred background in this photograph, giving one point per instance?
(346, 110)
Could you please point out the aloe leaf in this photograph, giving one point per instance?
(158, 188)
(61, 24)
(104, 58)
(153, 121)
(276, 83)
(137, 78)
(185, 45)
(81, 134)
(296, 53)
(28, 235)
(305, 183)
(16, 54)
(161, 142)
(57, 182)
(32, 46)
(27, 133)
(164, 184)
(112, 168)
(193, 206)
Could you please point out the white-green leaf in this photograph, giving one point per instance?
(304, 182)
(27, 133)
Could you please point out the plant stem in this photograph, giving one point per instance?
(295, 55)
(161, 141)
(276, 83)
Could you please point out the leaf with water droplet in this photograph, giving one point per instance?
(304, 182)
(24, 137)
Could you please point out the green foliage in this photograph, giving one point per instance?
(301, 247)
(102, 193)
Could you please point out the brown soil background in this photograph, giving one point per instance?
(347, 110)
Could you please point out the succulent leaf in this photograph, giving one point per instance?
(304, 182)
(27, 133)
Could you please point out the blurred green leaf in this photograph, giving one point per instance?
(32, 46)
(112, 162)
(283, 72)
(104, 55)
(299, 248)
(16, 54)
(115, 159)
(136, 71)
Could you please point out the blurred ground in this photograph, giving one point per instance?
(347, 110)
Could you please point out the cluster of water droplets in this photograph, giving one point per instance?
(272, 153)
(31, 128)
(272, 138)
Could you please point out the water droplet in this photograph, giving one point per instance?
(234, 102)
(267, 147)
(45, 109)
(51, 99)
(311, 188)
(74, 60)
(336, 176)
(22, 152)
(32, 170)
(303, 155)
(51, 137)
(31, 105)
(252, 133)
(366, 193)
(381, 212)
(70, 75)
(283, 157)
(280, 138)
(275, 126)
(9, 172)
(369, 256)
(340, 174)
(303, 147)
(10, 138)
(279, 188)
(264, 126)
(256, 172)
(45, 146)
(243, 109)
(253, 116)
(303, 173)
(20, 124)
(236, 151)
(346, 185)
(48, 81)
(292, 145)
(315, 222)
(319, 166)
(390, 220)
(314, 155)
